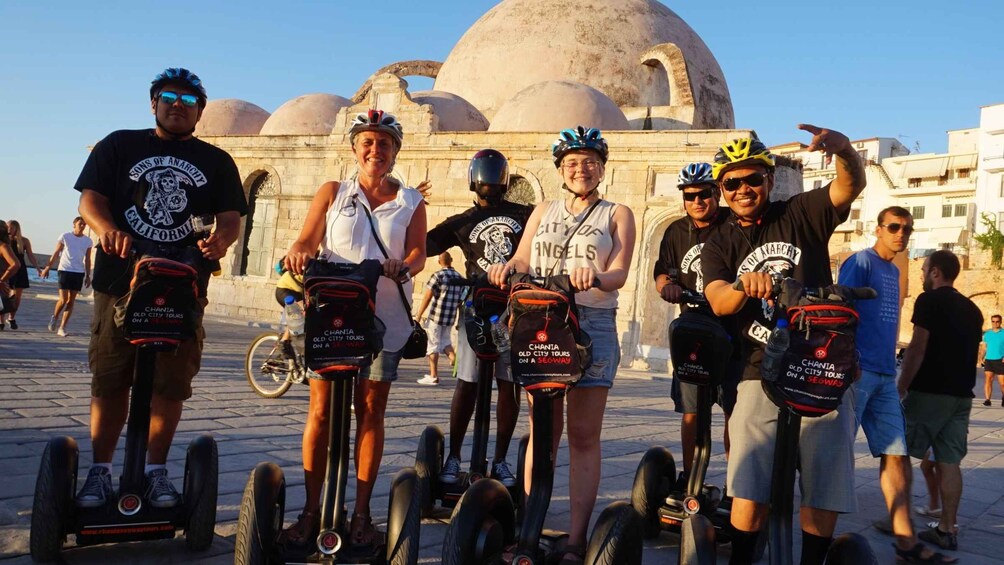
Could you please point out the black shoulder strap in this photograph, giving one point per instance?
(376, 237)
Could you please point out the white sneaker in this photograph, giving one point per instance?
(52, 324)
(428, 380)
(61, 332)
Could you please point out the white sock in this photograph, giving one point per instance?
(107, 466)
(151, 467)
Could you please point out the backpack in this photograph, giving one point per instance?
(548, 350)
(486, 301)
(699, 347)
(821, 361)
(162, 307)
(341, 329)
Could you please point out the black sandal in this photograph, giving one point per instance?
(573, 555)
(303, 531)
(914, 555)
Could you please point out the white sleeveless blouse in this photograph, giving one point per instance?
(348, 238)
(591, 246)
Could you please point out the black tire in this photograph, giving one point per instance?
(428, 462)
(652, 483)
(201, 486)
(260, 519)
(616, 537)
(518, 499)
(53, 507)
(697, 541)
(850, 549)
(483, 517)
(265, 368)
(404, 520)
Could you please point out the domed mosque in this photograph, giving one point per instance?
(522, 72)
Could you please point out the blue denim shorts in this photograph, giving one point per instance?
(384, 367)
(877, 409)
(601, 325)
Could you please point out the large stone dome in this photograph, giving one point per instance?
(455, 113)
(231, 116)
(310, 114)
(596, 42)
(556, 105)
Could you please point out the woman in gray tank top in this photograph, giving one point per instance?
(587, 238)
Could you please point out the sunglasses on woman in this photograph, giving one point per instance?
(169, 98)
(703, 195)
(751, 180)
(895, 227)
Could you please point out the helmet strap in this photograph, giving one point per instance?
(582, 197)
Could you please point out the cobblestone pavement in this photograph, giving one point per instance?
(44, 390)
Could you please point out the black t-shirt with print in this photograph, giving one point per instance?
(154, 187)
(955, 325)
(487, 235)
(792, 239)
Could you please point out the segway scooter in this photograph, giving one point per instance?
(342, 336)
(159, 313)
(548, 355)
(700, 349)
(484, 302)
(821, 323)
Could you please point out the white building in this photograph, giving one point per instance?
(990, 165)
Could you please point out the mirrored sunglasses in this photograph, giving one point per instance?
(169, 98)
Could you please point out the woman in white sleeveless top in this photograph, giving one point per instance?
(586, 237)
(338, 225)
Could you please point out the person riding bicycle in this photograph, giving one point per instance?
(289, 284)
(678, 269)
(488, 233)
(341, 221)
(790, 238)
(145, 185)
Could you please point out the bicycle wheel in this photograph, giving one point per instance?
(266, 369)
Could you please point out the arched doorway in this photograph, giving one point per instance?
(260, 226)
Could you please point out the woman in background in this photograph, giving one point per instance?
(21, 246)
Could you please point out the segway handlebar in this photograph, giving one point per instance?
(559, 282)
(830, 292)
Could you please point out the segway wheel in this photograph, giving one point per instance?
(53, 506)
(616, 537)
(697, 541)
(850, 548)
(201, 486)
(260, 519)
(404, 519)
(652, 483)
(267, 371)
(482, 525)
(428, 462)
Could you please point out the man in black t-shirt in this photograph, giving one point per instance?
(146, 185)
(789, 238)
(679, 269)
(488, 233)
(937, 380)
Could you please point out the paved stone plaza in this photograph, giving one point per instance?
(45, 389)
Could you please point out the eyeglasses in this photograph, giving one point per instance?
(751, 180)
(169, 98)
(703, 195)
(895, 227)
(573, 165)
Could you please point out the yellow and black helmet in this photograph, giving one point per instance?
(742, 151)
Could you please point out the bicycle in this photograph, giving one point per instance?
(269, 372)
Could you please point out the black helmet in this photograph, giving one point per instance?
(488, 166)
(179, 76)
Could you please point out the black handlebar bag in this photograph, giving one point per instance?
(548, 349)
(342, 332)
(821, 362)
(699, 347)
(162, 307)
(487, 301)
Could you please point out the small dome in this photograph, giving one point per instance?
(310, 114)
(455, 113)
(231, 116)
(556, 105)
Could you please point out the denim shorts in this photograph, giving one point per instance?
(601, 325)
(877, 409)
(384, 367)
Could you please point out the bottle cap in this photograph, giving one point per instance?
(782, 323)
(469, 304)
(493, 319)
(288, 300)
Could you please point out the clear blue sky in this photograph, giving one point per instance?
(74, 71)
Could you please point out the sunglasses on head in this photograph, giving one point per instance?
(169, 98)
(751, 180)
(703, 195)
(895, 227)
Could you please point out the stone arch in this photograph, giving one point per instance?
(528, 189)
(420, 68)
(671, 58)
(653, 314)
(262, 189)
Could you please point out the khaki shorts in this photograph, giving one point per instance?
(111, 357)
(467, 368)
(939, 422)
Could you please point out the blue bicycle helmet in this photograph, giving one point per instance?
(579, 138)
(179, 75)
(695, 174)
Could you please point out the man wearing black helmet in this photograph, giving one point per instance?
(147, 185)
(488, 233)
(788, 238)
